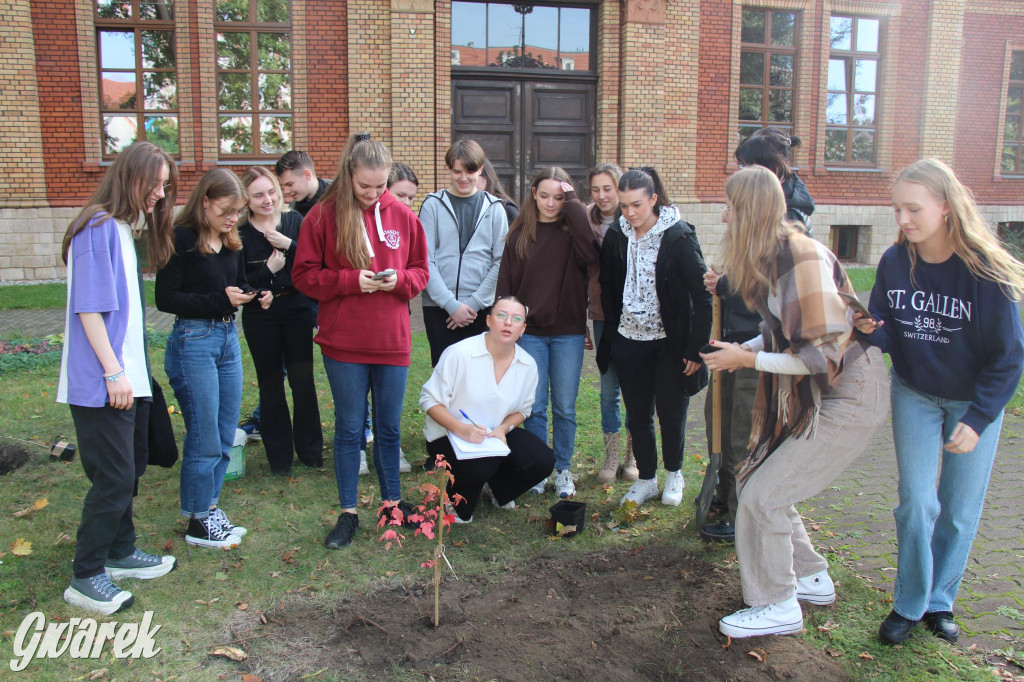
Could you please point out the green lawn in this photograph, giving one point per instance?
(862, 277)
(46, 296)
(288, 518)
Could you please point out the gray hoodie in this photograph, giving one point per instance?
(471, 276)
(641, 310)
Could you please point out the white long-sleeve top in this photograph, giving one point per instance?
(776, 363)
(464, 380)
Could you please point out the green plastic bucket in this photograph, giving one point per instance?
(236, 468)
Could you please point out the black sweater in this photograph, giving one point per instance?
(257, 250)
(192, 284)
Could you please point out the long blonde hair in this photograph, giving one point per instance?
(359, 152)
(967, 233)
(215, 184)
(122, 195)
(251, 175)
(525, 225)
(756, 230)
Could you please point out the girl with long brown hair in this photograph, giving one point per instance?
(362, 254)
(104, 375)
(549, 248)
(821, 395)
(202, 285)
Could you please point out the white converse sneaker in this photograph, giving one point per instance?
(539, 488)
(363, 468)
(487, 492)
(674, 483)
(403, 464)
(816, 589)
(565, 484)
(783, 618)
(641, 491)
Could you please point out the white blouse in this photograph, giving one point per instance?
(464, 380)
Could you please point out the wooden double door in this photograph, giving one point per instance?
(526, 124)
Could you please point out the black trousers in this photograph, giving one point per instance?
(528, 463)
(114, 447)
(439, 336)
(280, 339)
(651, 376)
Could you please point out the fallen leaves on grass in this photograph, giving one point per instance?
(242, 606)
(234, 653)
(36, 506)
(866, 656)
(758, 654)
(21, 547)
(210, 602)
(834, 653)
(288, 556)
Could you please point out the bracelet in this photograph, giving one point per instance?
(115, 376)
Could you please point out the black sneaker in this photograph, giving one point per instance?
(140, 565)
(344, 531)
(218, 516)
(406, 509)
(98, 594)
(208, 532)
(251, 426)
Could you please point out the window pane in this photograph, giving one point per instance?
(118, 132)
(752, 68)
(783, 29)
(780, 105)
(864, 110)
(163, 132)
(1017, 66)
(750, 104)
(753, 26)
(275, 134)
(835, 144)
(837, 74)
(841, 29)
(232, 10)
(542, 31)
(1009, 157)
(867, 35)
(1013, 100)
(469, 25)
(234, 91)
(275, 91)
(503, 27)
(865, 74)
(1012, 129)
(781, 70)
(274, 51)
(117, 90)
(835, 108)
(574, 41)
(863, 146)
(158, 49)
(747, 131)
(159, 10)
(160, 90)
(273, 11)
(233, 50)
(117, 49)
(236, 135)
(113, 9)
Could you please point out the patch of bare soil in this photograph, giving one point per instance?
(12, 457)
(628, 614)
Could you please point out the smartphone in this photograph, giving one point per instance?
(855, 303)
(383, 274)
(708, 348)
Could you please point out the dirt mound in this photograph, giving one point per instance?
(12, 457)
(628, 614)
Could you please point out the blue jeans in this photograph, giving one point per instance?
(935, 528)
(204, 365)
(611, 419)
(349, 382)
(559, 362)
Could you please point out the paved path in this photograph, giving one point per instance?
(854, 516)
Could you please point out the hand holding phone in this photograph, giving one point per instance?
(383, 274)
(854, 303)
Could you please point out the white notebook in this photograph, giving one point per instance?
(490, 447)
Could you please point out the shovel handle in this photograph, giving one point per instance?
(716, 378)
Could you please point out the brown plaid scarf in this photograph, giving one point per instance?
(815, 326)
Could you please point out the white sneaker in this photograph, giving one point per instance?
(458, 519)
(641, 491)
(363, 468)
(403, 464)
(539, 488)
(816, 589)
(564, 483)
(511, 504)
(674, 483)
(784, 618)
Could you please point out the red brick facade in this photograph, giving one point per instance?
(667, 82)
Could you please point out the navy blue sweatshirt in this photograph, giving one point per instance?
(952, 335)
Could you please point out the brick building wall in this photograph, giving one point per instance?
(667, 84)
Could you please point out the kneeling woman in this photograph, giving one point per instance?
(821, 395)
(492, 381)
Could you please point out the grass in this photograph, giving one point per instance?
(47, 296)
(288, 519)
(862, 277)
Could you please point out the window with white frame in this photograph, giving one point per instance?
(851, 107)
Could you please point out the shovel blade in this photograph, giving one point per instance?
(707, 489)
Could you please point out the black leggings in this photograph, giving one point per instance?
(439, 336)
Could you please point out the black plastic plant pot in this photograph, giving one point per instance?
(569, 513)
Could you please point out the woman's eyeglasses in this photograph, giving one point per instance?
(502, 316)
